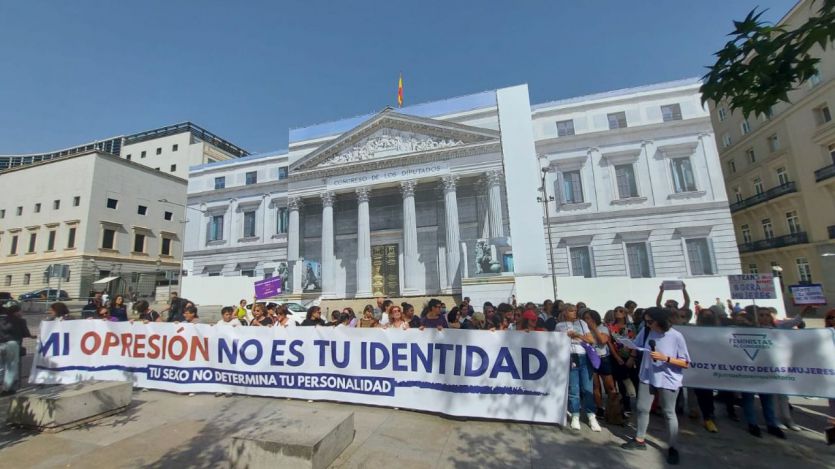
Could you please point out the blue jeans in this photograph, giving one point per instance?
(767, 401)
(580, 385)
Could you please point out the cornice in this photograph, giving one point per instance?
(242, 191)
(686, 210)
(628, 135)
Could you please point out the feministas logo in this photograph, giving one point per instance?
(751, 344)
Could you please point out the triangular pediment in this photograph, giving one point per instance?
(391, 135)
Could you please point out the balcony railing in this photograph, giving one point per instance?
(825, 173)
(772, 193)
(778, 242)
(831, 230)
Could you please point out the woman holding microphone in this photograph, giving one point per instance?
(660, 374)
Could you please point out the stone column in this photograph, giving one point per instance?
(410, 247)
(205, 219)
(266, 217)
(453, 237)
(293, 240)
(233, 219)
(327, 244)
(494, 188)
(363, 244)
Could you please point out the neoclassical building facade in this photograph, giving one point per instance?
(447, 198)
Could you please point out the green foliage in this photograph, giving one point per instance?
(761, 63)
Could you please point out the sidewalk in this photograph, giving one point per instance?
(169, 430)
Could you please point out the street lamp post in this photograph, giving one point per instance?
(545, 199)
(182, 242)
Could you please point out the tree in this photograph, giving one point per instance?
(761, 63)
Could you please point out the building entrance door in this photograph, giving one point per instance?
(385, 270)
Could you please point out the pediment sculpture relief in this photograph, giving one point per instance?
(387, 144)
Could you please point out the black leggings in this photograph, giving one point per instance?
(705, 399)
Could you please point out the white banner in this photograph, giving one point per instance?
(500, 375)
(795, 362)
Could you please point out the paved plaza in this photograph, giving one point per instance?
(163, 429)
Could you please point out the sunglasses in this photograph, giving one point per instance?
(649, 321)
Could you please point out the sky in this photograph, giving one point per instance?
(77, 71)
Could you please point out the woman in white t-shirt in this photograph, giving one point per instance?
(580, 389)
(600, 334)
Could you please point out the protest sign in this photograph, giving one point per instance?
(672, 285)
(510, 375)
(810, 294)
(268, 288)
(773, 361)
(752, 287)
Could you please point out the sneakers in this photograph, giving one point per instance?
(672, 456)
(776, 432)
(710, 426)
(575, 422)
(755, 430)
(595, 427)
(634, 444)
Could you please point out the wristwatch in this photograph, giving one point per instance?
(668, 359)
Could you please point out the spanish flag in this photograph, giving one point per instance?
(400, 91)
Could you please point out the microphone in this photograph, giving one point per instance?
(652, 345)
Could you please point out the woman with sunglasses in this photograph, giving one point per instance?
(660, 374)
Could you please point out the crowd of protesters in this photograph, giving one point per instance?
(631, 381)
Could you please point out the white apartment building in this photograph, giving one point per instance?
(637, 184)
(100, 214)
(175, 148)
(171, 149)
(238, 217)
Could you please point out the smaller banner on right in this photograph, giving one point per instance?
(808, 294)
(773, 361)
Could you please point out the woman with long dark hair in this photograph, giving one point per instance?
(367, 319)
(409, 315)
(146, 314)
(58, 311)
(660, 374)
(621, 327)
(602, 338)
(118, 309)
(314, 317)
